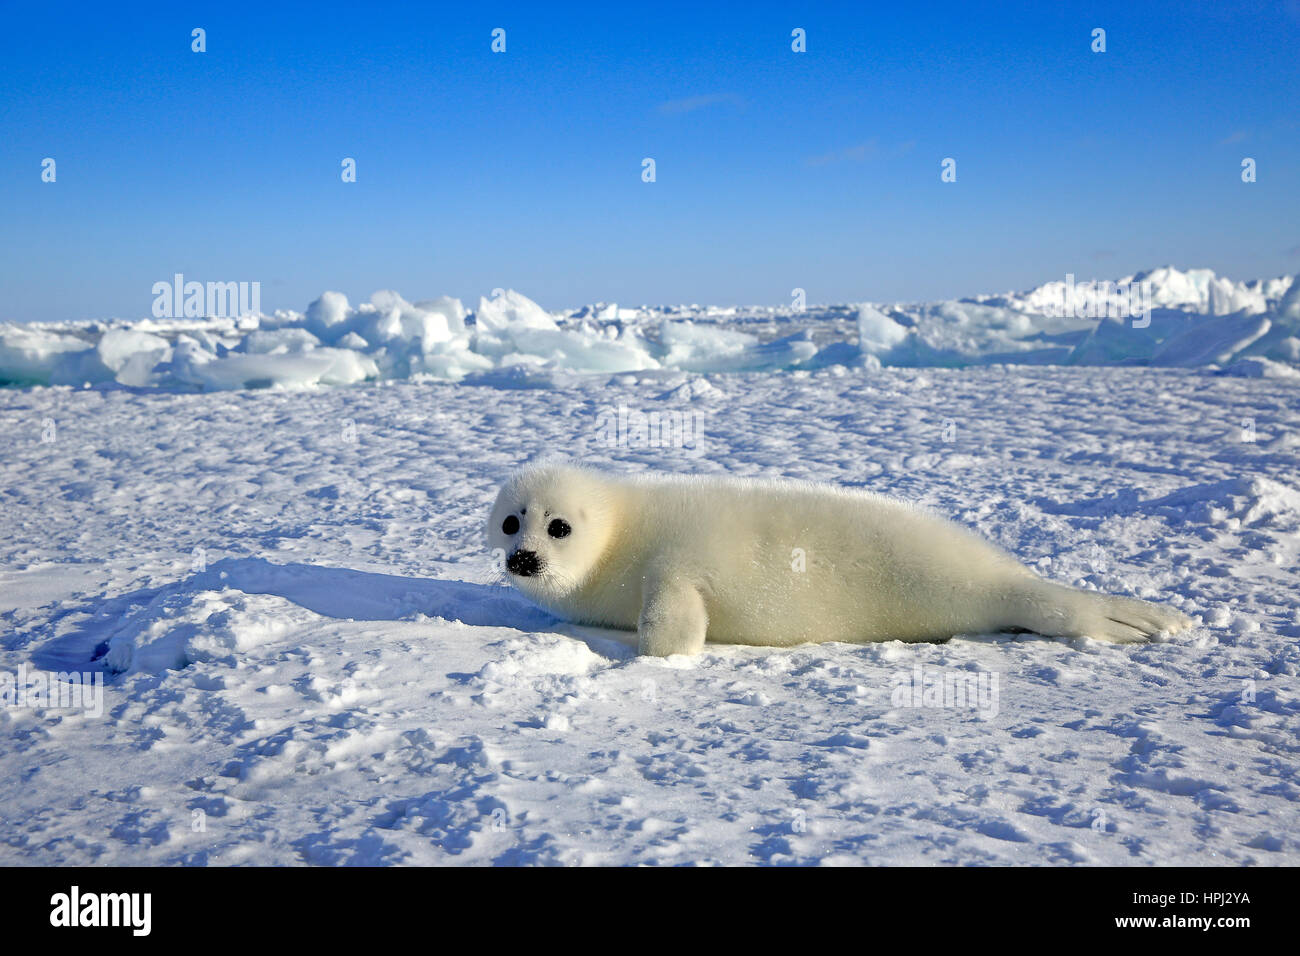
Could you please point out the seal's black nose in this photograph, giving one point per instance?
(524, 563)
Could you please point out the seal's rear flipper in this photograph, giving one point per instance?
(1058, 611)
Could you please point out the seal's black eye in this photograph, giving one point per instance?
(510, 525)
(559, 528)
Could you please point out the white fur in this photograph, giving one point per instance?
(684, 559)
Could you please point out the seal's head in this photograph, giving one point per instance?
(553, 524)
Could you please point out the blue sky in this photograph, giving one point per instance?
(774, 169)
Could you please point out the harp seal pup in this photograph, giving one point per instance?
(687, 559)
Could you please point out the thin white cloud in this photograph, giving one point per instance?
(853, 154)
(693, 103)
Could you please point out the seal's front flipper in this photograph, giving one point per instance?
(673, 619)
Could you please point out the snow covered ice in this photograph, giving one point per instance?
(309, 657)
(1196, 319)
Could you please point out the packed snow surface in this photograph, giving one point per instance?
(309, 658)
(1187, 319)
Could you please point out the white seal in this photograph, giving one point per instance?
(685, 559)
